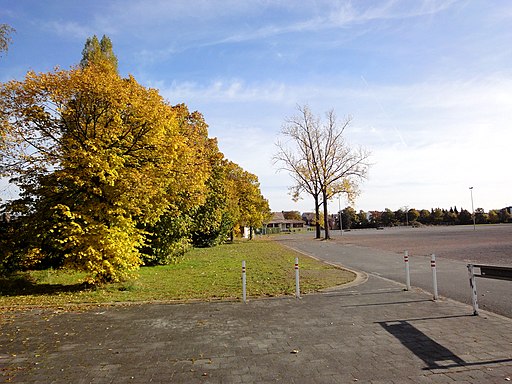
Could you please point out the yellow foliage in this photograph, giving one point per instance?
(107, 154)
(246, 204)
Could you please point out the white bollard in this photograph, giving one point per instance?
(472, 284)
(407, 272)
(244, 283)
(434, 275)
(297, 287)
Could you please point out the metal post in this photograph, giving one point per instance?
(434, 275)
(339, 214)
(473, 209)
(407, 273)
(472, 284)
(244, 283)
(297, 287)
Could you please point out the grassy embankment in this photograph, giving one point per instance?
(207, 273)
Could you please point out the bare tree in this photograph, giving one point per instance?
(320, 161)
(297, 155)
(5, 38)
(342, 168)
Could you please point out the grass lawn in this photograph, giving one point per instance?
(205, 273)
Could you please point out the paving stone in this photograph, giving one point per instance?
(375, 333)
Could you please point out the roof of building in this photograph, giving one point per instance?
(278, 217)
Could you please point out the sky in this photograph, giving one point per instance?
(427, 83)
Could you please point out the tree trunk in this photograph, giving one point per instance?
(326, 218)
(317, 218)
(250, 233)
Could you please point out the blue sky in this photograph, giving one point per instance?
(427, 83)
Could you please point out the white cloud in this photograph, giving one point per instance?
(394, 9)
(69, 29)
(164, 22)
(226, 91)
(434, 130)
(340, 15)
(454, 134)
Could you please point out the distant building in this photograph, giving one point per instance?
(281, 224)
(309, 218)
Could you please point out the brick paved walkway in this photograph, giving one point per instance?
(372, 333)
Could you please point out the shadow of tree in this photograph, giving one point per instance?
(19, 285)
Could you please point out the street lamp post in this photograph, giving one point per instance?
(473, 209)
(339, 214)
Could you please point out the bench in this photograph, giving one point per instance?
(495, 272)
(489, 272)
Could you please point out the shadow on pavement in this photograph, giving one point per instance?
(421, 345)
(435, 355)
(342, 293)
(384, 304)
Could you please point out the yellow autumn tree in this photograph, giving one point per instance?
(234, 200)
(186, 191)
(94, 155)
(110, 175)
(246, 204)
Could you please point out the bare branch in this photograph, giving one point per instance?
(318, 158)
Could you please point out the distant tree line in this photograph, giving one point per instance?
(413, 217)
